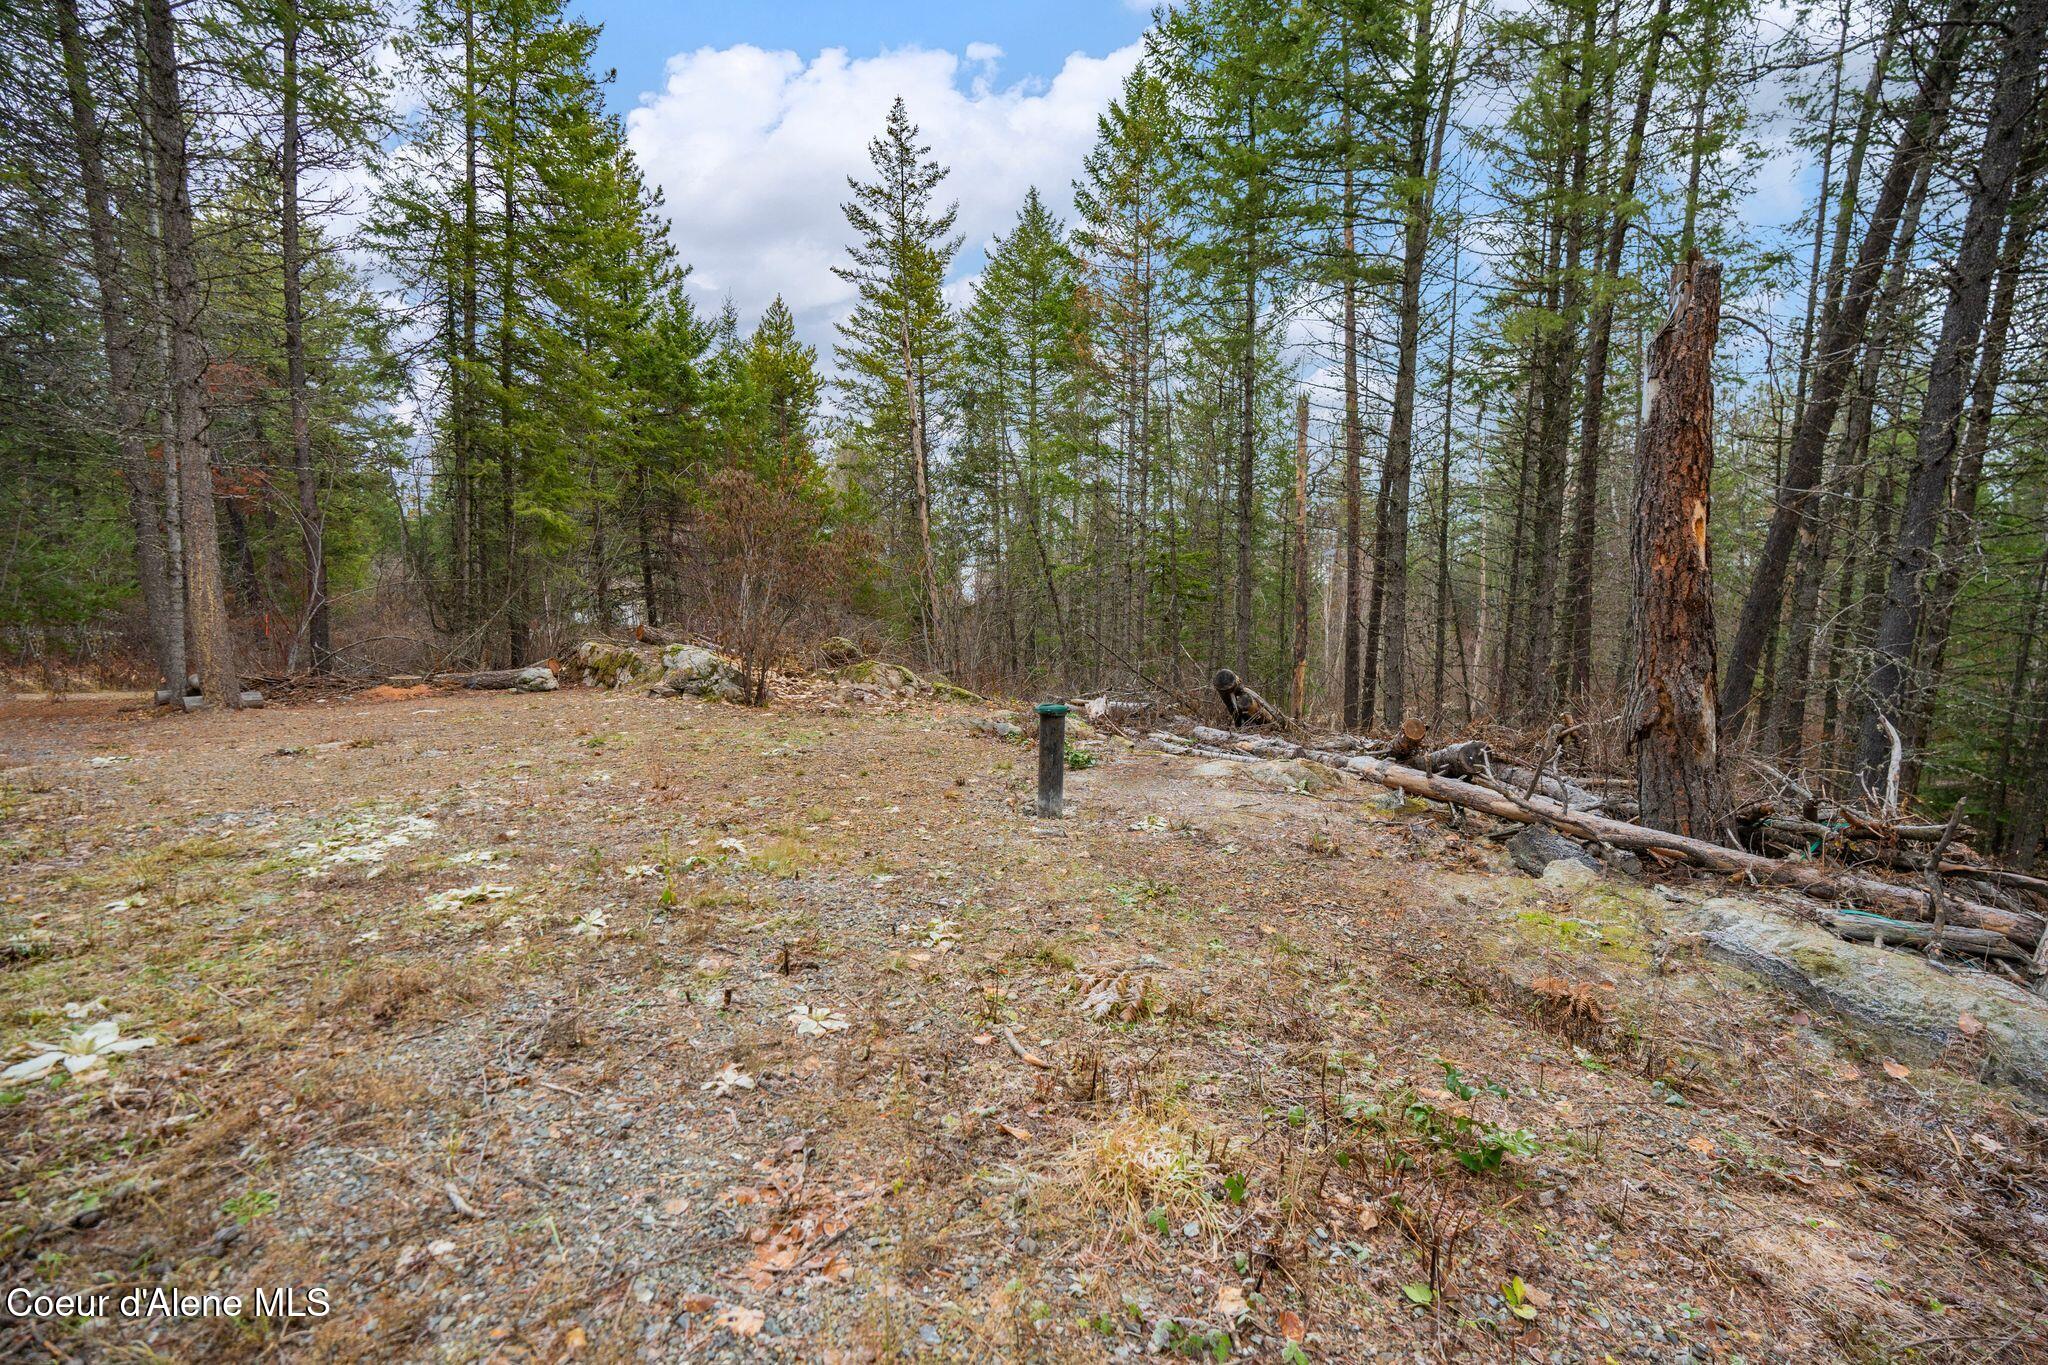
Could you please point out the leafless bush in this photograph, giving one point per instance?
(773, 565)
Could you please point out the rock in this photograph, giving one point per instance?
(1283, 775)
(1907, 1002)
(839, 651)
(1535, 847)
(1568, 876)
(885, 676)
(606, 663)
(539, 678)
(994, 727)
(693, 671)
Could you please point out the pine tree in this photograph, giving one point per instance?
(895, 346)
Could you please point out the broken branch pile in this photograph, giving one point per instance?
(1912, 914)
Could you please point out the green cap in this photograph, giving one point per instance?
(1052, 708)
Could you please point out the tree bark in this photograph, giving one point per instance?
(206, 608)
(1948, 378)
(1679, 782)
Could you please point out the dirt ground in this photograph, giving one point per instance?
(601, 1026)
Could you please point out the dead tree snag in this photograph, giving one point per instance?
(1679, 781)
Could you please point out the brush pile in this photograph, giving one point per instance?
(1879, 879)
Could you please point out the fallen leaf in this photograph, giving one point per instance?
(698, 1303)
(727, 1081)
(1986, 1142)
(1021, 1134)
(1230, 1301)
(1970, 1024)
(574, 1339)
(739, 1320)
(1894, 1070)
(1291, 1328)
(1703, 1145)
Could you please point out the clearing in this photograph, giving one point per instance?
(600, 1025)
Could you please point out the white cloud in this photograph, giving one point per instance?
(752, 149)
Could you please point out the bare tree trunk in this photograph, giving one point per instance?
(1960, 521)
(1841, 337)
(928, 574)
(1599, 336)
(145, 502)
(1817, 528)
(1948, 378)
(1354, 481)
(466, 549)
(1424, 158)
(312, 521)
(1443, 520)
(1298, 689)
(1247, 451)
(206, 607)
(1679, 782)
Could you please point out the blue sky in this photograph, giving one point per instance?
(641, 35)
(750, 117)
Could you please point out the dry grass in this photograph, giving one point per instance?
(333, 1057)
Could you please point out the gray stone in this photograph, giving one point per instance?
(539, 678)
(696, 672)
(1535, 847)
(1901, 998)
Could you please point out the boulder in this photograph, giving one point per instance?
(839, 651)
(693, 671)
(885, 677)
(607, 663)
(994, 727)
(1913, 1006)
(539, 678)
(1295, 775)
(1535, 847)
(1568, 876)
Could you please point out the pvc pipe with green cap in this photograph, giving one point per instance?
(1052, 758)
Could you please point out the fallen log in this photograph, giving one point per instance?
(1866, 928)
(2025, 930)
(1471, 759)
(532, 678)
(1409, 741)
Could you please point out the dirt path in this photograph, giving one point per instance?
(607, 1027)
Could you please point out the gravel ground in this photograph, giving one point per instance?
(599, 1026)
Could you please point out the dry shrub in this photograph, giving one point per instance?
(771, 564)
(1134, 1170)
(1572, 1009)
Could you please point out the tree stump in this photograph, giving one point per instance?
(1681, 787)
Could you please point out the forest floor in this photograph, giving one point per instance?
(442, 990)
